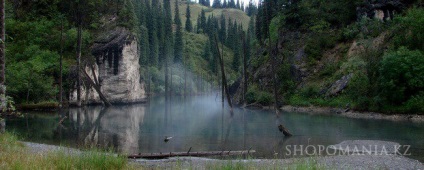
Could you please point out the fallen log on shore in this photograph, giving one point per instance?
(195, 154)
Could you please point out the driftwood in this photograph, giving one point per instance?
(285, 131)
(195, 154)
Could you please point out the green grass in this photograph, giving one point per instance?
(299, 100)
(14, 155)
(195, 10)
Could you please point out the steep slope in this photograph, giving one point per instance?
(340, 66)
(196, 9)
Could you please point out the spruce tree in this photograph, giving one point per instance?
(160, 28)
(207, 3)
(198, 25)
(153, 41)
(216, 4)
(178, 46)
(188, 25)
(203, 21)
(168, 43)
(223, 29)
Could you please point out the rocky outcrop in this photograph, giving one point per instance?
(116, 69)
(381, 9)
(338, 86)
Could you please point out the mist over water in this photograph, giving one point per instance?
(201, 123)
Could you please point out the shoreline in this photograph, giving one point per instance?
(373, 161)
(314, 110)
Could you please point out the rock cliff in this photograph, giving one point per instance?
(116, 69)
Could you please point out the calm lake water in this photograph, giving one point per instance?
(201, 123)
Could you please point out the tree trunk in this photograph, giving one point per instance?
(2, 56)
(79, 42)
(224, 79)
(244, 69)
(196, 154)
(96, 86)
(60, 64)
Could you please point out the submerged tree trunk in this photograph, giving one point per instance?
(224, 80)
(60, 64)
(244, 69)
(79, 42)
(96, 85)
(2, 56)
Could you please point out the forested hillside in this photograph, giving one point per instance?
(353, 54)
(176, 56)
(365, 55)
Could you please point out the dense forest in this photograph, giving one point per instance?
(365, 55)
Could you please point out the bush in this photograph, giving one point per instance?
(253, 95)
(264, 98)
(316, 45)
(401, 75)
(415, 104)
(409, 32)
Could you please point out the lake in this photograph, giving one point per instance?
(201, 123)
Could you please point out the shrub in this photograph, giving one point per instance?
(409, 32)
(401, 75)
(253, 95)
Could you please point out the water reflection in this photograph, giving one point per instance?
(113, 127)
(201, 123)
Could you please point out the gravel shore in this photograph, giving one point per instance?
(372, 161)
(354, 114)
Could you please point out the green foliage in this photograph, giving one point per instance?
(254, 95)
(371, 28)
(415, 104)
(409, 31)
(274, 26)
(188, 24)
(401, 75)
(318, 42)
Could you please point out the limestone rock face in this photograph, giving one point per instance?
(116, 70)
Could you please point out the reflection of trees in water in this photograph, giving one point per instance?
(113, 127)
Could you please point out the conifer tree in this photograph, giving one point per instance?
(188, 25)
(198, 25)
(203, 21)
(153, 40)
(160, 28)
(216, 4)
(168, 43)
(178, 46)
(223, 29)
(225, 4)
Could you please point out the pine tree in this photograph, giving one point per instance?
(168, 43)
(236, 48)
(203, 21)
(206, 51)
(198, 25)
(160, 28)
(153, 41)
(225, 4)
(207, 3)
(216, 4)
(188, 25)
(223, 30)
(231, 4)
(178, 46)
